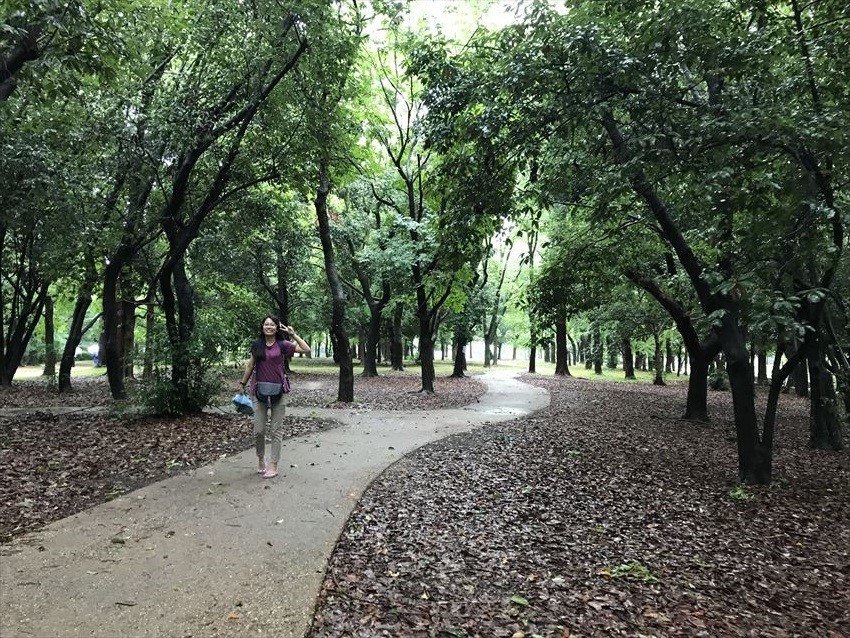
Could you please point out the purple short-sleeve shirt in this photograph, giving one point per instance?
(271, 368)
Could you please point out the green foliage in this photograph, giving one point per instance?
(718, 380)
(634, 569)
(740, 493)
(158, 396)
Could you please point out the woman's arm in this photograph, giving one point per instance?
(249, 368)
(301, 346)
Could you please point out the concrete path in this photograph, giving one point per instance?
(220, 551)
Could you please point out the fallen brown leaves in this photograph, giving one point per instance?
(603, 515)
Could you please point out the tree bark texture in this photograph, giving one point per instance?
(49, 339)
(339, 335)
(561, 367)
(397, 341)
(628, 358)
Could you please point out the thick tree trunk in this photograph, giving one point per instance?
(754, 461)
(426, 353)
(373, 339)
(700, 363)
(658, 362)
(459, 348)
(761, 360)
(611, 359)
(111, 354)
(561, 367)
(801, 378)
(628, 358)
(75, 335)
(824, 421)
(696, 404)
(586, 352)
(397, 342)
(179, 310)
(339, 335)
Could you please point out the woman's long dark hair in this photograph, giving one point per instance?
(258, 347)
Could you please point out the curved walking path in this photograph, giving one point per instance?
(220, 551)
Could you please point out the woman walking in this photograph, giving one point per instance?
(266, 373)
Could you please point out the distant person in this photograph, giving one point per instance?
(94, 351)
(266, 373)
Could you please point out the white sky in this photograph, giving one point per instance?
(460, 18)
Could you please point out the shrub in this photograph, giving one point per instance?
(718, 380)
(159, 396)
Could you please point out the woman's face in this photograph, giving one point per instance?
(269, 326)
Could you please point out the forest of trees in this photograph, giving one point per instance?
(624, 183)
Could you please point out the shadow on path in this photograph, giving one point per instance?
(220, 551)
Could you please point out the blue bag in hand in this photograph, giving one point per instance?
(243, 404)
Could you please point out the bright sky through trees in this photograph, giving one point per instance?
(459, 18)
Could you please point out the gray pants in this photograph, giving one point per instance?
(274, 429)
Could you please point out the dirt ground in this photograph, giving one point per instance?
(603, 515)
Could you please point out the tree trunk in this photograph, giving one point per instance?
(77, 330)
(668, 366)
(459, 348)
(128, 336)
(696, 404)
(597, 349)
(426, 352)
(111, 354)
(49, 340)
(24, 300)
(373, 339)
(339, 335)
(658, 362)
(611, 360)
(573, 347)
(150, 325)
(761, 359)
(754, 462)
(561, 368)
(628, 358)
(179, 313)
(533, 338)
(586, 354)
(75, 335)
(824, 421)
(780, 373)
(397, 343)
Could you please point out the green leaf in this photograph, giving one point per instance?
(519, 600)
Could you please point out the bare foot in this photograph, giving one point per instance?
(271, 471)
(261, 466)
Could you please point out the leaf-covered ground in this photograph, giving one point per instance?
(603, 515)
(52, 466)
